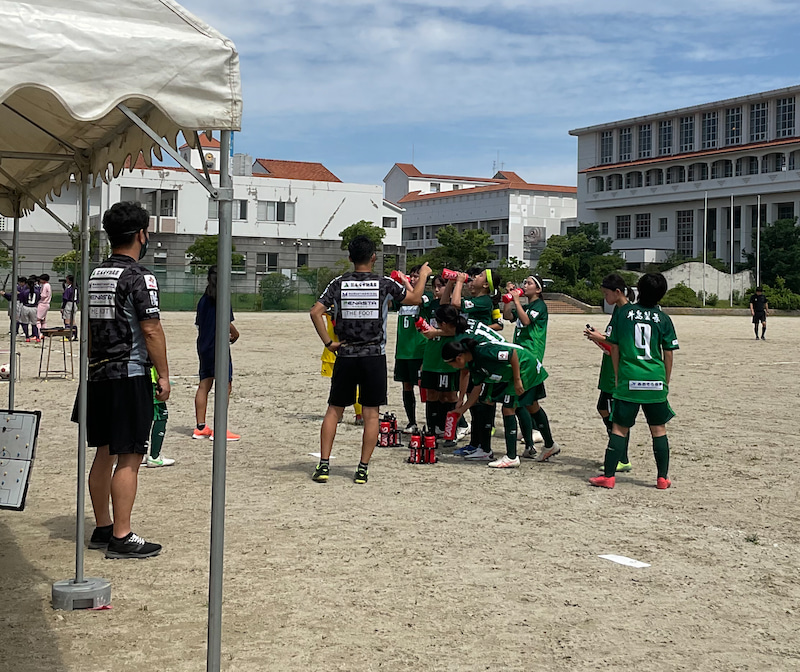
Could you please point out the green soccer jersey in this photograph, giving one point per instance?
(642, 335)
(607, 381)
(491, 363)
(432, 359)
(478, 308)
(410, 342)
(480, 332)
(533, 337)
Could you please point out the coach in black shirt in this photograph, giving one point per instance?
(125, 341)
(360, 301)
(759, 309)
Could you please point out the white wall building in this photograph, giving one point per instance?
(644, 180)
(286, 214)
(519, 216)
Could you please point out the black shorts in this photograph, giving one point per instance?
(207, 360)
(119, 414)
(368, 374)
(656, 413)
(407, 370)
(605, 402)
(440, 382)
(759, 317)
(528, 397)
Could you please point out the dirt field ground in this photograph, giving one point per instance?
(445, 567)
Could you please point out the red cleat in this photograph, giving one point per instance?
(663, 483)
(603, 481)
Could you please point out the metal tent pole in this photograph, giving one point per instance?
(731, 250)
(13, 302)
(222, 358)
(705, 245)
(82, 592)
(758, 244)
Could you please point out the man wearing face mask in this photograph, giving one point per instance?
(125, 341)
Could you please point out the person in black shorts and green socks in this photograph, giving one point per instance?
(531, 334)
(360, 301)
(154, 457)
(616, 293)
(410, 348)
(642, 341)
(759, 309)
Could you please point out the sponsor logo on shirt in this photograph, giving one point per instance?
(101, 313)
(675, 342)
(358, 294)
(106, 273)
(150, 311)
(150, 282)
(645, 385)
(503, 355)
(360, 284)
(97, 299)
(468, 304)
(103, 285)
(496, 377)
(360, 314)
(154, 298)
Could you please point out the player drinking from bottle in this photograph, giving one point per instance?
(642, 340)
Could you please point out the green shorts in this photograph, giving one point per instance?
(624, 413)
(528, 397)
(440, 381)
(407, 370)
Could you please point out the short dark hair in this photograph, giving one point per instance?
(122, 221)
(45, 277)
(361, 249)
(652, 287)
(71, 278)
(453, 349)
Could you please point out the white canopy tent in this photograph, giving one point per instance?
(85, 84)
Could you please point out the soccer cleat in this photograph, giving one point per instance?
(321, 473)
(131, 546)
(603, 481)
(231, 436)
(763, 338)
(144, 460)
(160, 461)
(449, 444)
(461, 432)
(624, 466)
(205, 433)
(361, 475)
(663, 483)
(100, 537)
(479, 454)
(460, 452)
(359, 420)
(529, 453)
(547, 453)
(411, 428)
(504, 462)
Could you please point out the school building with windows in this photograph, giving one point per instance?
(646, 180)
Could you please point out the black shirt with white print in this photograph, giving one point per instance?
(360, 301)
(122, 294)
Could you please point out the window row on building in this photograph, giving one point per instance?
(265, 262)
(697, 172)
(713, 129)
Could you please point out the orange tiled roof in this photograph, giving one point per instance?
(297, 170)
(502, 185)
(204, 142)
(693, 155)
(412, 171)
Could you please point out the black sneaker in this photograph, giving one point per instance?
(362, 474)
(100, 537)
(321, 473)
(131, 546)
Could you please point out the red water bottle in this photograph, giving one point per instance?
(450, 424)
(429, 448)
(508, 298)
(397, 276)
(415, 448)
(422, 325)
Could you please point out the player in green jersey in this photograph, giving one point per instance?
(642, 341)
(531, 334)
(438, 379)
(616, 293)
(453, 324)
(499, 371)
(410, 348)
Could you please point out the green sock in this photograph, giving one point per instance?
(410, 404)
(526, 425)
(607, 422)
(616, 444)
(543, 425)
(625, 459)
(510, 425)
(661, 452)
(159, 429)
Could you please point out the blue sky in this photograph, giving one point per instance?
(359, 85)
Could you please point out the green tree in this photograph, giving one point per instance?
(276, 290)
(513, 270)
(458, 250)
(780, 254)
(363, 228)
(69, 262)
(204, 253)
(580, 255)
